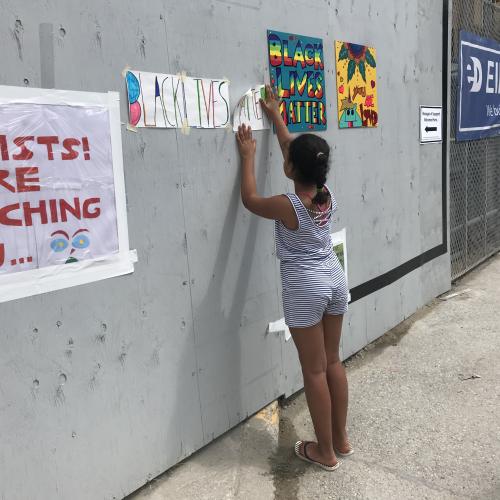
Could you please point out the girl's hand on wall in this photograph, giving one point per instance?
(271, 104)
(246, 143)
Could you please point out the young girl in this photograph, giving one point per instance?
(314, 284)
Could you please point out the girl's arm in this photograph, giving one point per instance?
(275, 207)
(271, 106)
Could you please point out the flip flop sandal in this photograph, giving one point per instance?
(306, 458)
(348, 454)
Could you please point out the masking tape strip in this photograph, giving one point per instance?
(185, 129)
(182, 76)
(125, 69)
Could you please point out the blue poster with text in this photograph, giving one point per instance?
(478, 107)
(297, 72)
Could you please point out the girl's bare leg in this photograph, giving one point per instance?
(337, 381)
(311, 347)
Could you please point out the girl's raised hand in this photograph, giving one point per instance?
(271, 104)
(246, 143)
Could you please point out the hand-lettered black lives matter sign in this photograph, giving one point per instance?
(160, 100)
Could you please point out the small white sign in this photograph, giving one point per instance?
(339, 240)
(431, 119)
(249, 111)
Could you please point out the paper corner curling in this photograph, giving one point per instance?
(278, 327)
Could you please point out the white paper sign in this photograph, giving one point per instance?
(280, 326)
(339, 240)
(61, 190)
(176, 101)
(249, 110)
(431, 118)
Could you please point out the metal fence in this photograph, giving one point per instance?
(474, 165)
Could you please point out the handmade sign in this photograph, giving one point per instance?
(176, 101)
(356, 85)
(249, 111)
(61, 190)
(296, 68)
(478, 106)
(339, 240)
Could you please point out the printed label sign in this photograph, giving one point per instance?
(431, 118)
(478, 107)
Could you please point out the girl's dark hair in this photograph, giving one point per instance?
(309, 155)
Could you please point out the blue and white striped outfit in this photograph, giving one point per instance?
(312, 277)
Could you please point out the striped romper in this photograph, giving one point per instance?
(312, 277)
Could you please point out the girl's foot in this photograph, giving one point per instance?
(345, 452)
(342, 446)
(309, 452)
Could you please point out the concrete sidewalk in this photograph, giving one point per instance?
(424, 418)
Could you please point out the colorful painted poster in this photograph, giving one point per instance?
(62, 200)
(248, 111)
(296, 68)
(177, 101)
(356, 85)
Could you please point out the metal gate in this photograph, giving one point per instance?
(474, 165)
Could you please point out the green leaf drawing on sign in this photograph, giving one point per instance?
(369, 59)
(339, 250)
(351, 68)
(343, 53)
(362, 69)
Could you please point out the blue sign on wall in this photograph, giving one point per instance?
(297, 71)
(478, 107)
